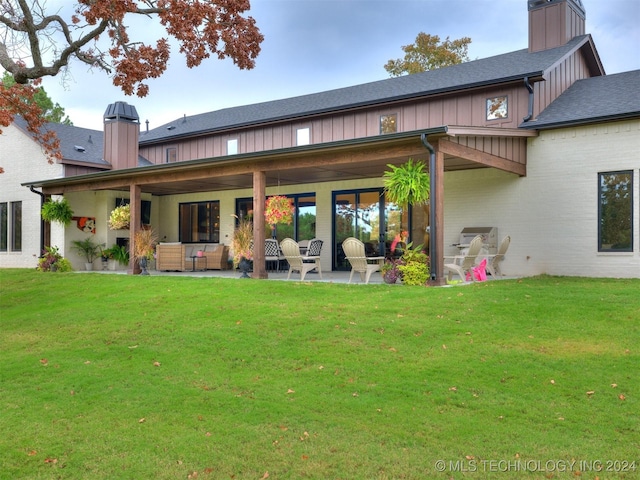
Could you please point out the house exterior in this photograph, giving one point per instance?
(539, 144)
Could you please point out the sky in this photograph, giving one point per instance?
(316, 45)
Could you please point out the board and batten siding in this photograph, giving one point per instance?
(464, 109)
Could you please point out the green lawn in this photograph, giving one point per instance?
(116, 376)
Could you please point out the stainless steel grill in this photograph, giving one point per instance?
(489, 238)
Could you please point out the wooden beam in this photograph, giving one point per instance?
(135, 198)
(483, 158)
(259, 192)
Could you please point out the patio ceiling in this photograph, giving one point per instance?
(348, 160)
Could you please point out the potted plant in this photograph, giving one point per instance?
(278, 209)
(241, 244)
(144, 242)
(57, 211)
(52, 261)
(409, 184)
(414, 266)
(390, 271)
(87, 249)
(120, 217)
(120, 255)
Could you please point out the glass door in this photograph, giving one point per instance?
(365, 215)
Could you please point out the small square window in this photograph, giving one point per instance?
(497, 107)
(388, 123)
(172, 155)
(232, 146)
(303, 136)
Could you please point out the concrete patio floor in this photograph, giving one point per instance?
(330, 276)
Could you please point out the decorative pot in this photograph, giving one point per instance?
(244, 266)
(88, 266)
(143, 266)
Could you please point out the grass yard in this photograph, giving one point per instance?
(115, 376)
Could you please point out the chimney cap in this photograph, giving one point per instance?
(121, 111)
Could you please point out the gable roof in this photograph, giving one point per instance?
(595, 99)
(77, 144)
(484, 72)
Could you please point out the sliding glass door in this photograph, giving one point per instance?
(365, 215)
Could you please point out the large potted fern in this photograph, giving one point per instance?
(409, 184)
(57, 211)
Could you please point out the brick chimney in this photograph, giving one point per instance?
(121, 131)
(552, 23)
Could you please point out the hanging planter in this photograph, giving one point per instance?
(278, 209)
(57, 211)
(407, 184)
(120, 218)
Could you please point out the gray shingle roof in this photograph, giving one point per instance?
(591, 100)
(79, 144)
(76, 144)
(488, 71)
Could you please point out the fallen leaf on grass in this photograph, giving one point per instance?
(591, 392)
(156, 364)
(266, 475)
(290, 391)
(622, 397)
(614, 385)
(283, 428)
(51, 460)
(44, 361)
(32, 453)
(87, 362)
(444, 347)
(453, 389)
(553, 382)
(305, 457)
(142, 420)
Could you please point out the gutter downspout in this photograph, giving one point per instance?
(42, 198)
(530, 109)
(432, 204)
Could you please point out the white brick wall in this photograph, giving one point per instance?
(23, 160)
(551, 214)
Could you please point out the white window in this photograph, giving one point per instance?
(232, 146)
(303, 136)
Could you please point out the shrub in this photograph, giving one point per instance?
(414, 266)
(52, 261)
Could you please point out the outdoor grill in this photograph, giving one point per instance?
(489, 238)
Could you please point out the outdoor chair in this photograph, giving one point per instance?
(312, 254)
(354, 251)
(493, 261)
(291, 252)
(463, 264)
(272, 252)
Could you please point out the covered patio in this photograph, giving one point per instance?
(445, 148)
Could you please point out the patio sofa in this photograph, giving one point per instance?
(178, 256)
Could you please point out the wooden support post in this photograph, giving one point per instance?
(259, 193)
(135, 200)
(439, 216)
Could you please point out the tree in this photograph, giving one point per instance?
(429, 53)
(51, 112)
(36, 43)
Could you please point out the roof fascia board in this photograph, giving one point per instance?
(458, 131)
(589, 52)
(583, 122)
